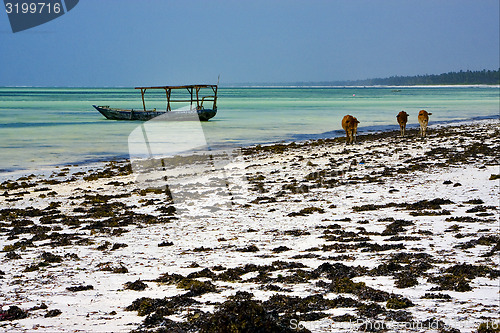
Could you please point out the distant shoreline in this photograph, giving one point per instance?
(365, 86)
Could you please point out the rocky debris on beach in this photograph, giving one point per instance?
(323, 237)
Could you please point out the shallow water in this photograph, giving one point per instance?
(43, 127)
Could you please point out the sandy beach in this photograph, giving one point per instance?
(390, 234)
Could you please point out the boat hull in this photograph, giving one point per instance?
(128, 114)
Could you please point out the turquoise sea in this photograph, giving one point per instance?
(45, 127)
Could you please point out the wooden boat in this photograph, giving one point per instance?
(131, 114)
(196, 105)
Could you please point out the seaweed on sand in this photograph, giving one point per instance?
(53, 313)
(418, 206)
(237, 314)
(13, 313)
(339, 270)
(396, 227)
(290, 305)
(473, 271)
(249, 248)
(405, 280)
(399, 303)
(242, 314)
(360, 289)
(489, 327)
(451, 282)
(415, 265)
(437, 296)
(51, 258)
(118, 268)
(136, 285)
(80, 288)
(161, 306)
(196, 287)
(370, 310)
(280, 249)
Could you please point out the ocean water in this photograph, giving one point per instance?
(46, 127)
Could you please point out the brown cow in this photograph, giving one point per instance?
(402, 118)
(350, 125)
(423, 119)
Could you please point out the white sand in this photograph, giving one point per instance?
(227, 229)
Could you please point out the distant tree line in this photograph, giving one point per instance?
(451, 78)
(489, 77)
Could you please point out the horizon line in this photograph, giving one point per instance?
(283, 85)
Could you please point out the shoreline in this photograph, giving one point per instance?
(297, 138)
(401, 230)
(368, 87)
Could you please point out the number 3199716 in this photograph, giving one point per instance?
(32, 8)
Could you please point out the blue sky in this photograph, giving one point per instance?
(152, 42)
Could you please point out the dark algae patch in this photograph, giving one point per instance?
(136, 285)
(437, 296)
(196, 287)
(250, 248)
(53, 313)
(404, 280)
(459, 277)
(489, 327)
(240, 313)
(13, 313)
(399, 303)
(451, 282)
(473, 271)
(80, 288)
(433, 204)
(307, 211)
(161, 306)
(396, 227)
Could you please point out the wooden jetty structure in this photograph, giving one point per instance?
(198, 99)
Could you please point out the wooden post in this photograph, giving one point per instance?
(166, 95)
(197, 99)
(169, 92)
(143, 103)
(215, 97)
(191, 92)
